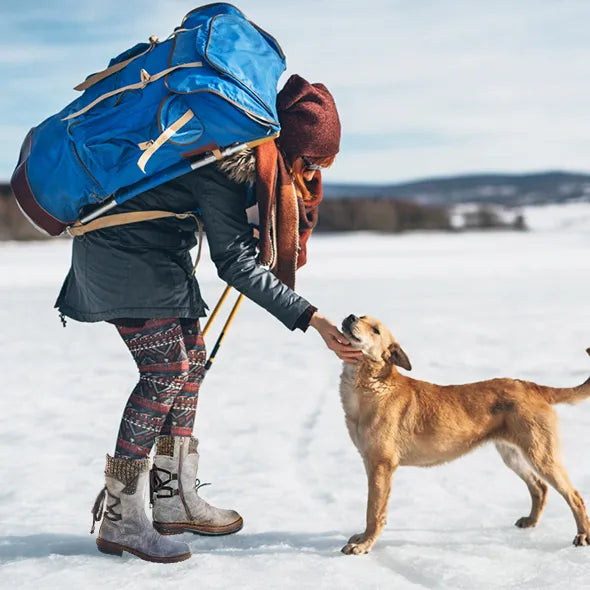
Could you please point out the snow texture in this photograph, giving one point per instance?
(273, 442)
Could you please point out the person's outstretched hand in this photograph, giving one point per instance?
(335, 340)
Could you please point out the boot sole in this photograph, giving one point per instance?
(176, 528)
(115, 549)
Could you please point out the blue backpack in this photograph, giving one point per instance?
(159, 110)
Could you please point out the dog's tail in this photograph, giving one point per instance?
(567, 395)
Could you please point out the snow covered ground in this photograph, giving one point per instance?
(273, 442)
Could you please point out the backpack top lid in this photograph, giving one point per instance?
(236, 53)
(199, 15)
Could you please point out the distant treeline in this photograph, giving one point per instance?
(509, 190)
(336, 214)
(380, 214)
(13, 224)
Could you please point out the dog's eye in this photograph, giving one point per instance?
(376, 330)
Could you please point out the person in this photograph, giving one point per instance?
(140, 278)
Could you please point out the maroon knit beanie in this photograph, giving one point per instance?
(309, 120)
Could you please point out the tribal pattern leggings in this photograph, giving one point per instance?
(170, 355)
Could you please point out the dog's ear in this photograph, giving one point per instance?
(398, 357)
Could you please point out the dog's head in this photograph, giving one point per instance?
(375, 341)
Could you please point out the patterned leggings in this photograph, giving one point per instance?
(170, 355)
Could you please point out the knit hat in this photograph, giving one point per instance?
(309, 120)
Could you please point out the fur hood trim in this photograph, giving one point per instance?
(240, 167)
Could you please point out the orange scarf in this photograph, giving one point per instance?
(286, 220)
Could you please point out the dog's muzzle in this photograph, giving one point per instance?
(348, 323)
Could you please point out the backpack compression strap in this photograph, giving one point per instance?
(95, 78)
(146, 79)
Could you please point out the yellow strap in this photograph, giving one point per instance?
(95, 78)
(119, 219)
(145, 80)
(257, 142)
(152, 147)
(134, 217)
(217, 153)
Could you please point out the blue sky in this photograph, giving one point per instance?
(424, 87)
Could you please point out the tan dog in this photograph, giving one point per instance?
(394, 420)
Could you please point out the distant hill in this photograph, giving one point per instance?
(432, 204)
(512, 190)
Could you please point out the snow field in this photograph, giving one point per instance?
(464, 307)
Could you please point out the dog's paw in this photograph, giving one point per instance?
(356, 539)
(357, 544)
(356, 549)
(525, 522)
(581, 540)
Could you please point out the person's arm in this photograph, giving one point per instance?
(233, 249)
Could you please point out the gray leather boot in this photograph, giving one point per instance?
(177, 505)
(125, 526)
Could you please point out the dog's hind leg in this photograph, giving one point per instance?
(380, 474)
(538, 442)
(513, 458)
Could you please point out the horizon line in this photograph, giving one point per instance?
(443, 177)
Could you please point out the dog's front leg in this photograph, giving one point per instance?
(380, 475)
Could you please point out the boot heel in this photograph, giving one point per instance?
(108, 547)
(168, 529)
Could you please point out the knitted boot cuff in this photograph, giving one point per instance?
(125, 470)
(165, 446)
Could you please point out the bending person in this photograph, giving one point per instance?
(139, 277)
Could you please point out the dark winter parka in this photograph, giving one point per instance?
(144, 270)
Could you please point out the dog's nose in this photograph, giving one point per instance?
(348, 321)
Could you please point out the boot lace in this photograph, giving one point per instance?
(159, 485)
(198, 484)
(98, 509)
